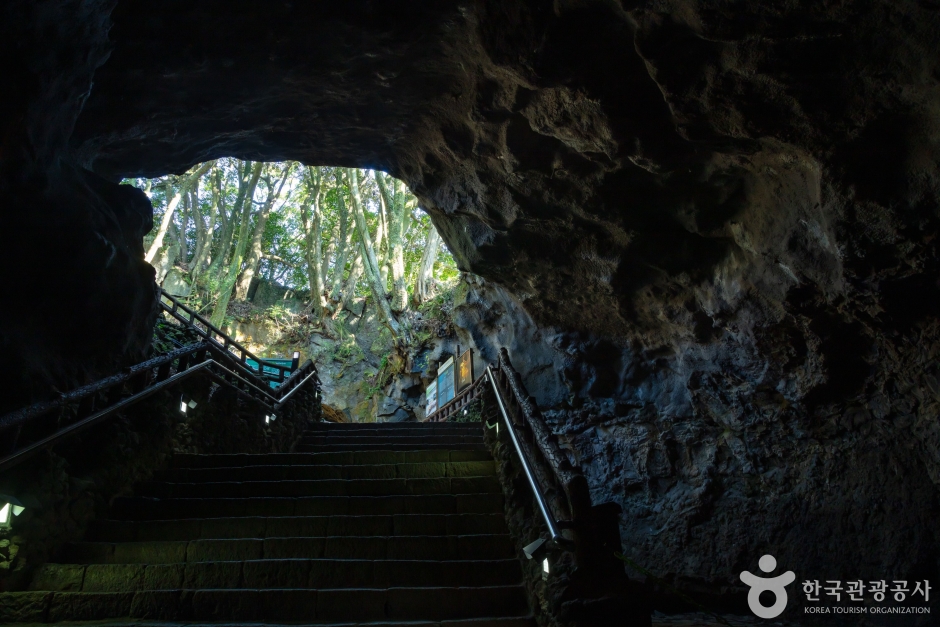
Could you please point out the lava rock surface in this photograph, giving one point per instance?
(719, 217)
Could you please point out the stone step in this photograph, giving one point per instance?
(246, 605)
(403, 470)
(337, 457)
(396, 427)
(353, 447)
(295, 526)
(373, 438)
(520, 621)
(466, 547)
(319, 487)
(365, 524)
(142, 508)
(279, 573)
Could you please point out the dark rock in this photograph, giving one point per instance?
(710, 228)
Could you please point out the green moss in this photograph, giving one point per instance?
(474, 413)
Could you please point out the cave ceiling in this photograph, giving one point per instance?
(707, 230)
(602, 160)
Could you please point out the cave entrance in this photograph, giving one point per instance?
(341, 265)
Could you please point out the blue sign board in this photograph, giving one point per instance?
(445, 383)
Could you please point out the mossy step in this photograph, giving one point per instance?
(464, 547)
(520, 621)
(141, 508)
(324, 605)
(402, 470)
(366, 437)
(339, 457)
(320, 487)
(397, 427)
(386, 446)
(295, 526)
(282, 573)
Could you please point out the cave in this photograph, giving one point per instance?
(708, 233)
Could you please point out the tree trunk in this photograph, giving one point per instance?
(254, 254)
(167, 257)
(171, 207)
(208, 233)
(343, 245)
(349, 291)
(426, 269)
(396, 255)
(314, 240)
(216, 267)
(370, 263)
(381, 241)
(181, 231)
(228, 281)
(327, 255)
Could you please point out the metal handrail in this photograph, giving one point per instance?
(212, 330)
(550, 521)
(37, 409)
(139, 378)
(274, 405)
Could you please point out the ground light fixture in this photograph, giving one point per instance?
(295, 361)
(538, 550)
(269, 418)
(186, 404)
(9, 507)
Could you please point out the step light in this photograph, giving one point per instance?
(545, 568)
(9, 507)
(536, 549)
(186, 404)
(269, 418)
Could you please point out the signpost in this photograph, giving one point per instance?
(453, 377)
(431, 396)
(445, 383)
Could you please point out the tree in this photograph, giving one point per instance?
(204, 233)
(351, 236)
(228, 281)
(426, 268)
(370, 262)
(171, 207)
(313, 237)
(254, 249)
(395, 202)
(244, 173)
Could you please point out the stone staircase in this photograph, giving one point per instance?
(366, 524)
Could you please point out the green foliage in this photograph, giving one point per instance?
(439, 306)
(374, 381)
(344, 348)
(168, 336)
(474, 413)
(207, 219)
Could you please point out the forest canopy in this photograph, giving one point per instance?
(338, 235)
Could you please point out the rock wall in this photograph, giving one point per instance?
(720, 453)
(79, 300)
(713, 225)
